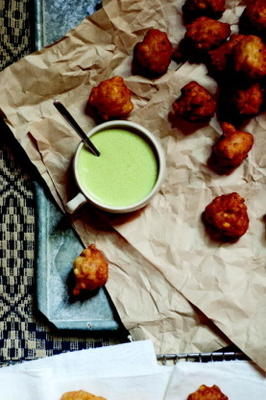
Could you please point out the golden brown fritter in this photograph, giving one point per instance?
(153, 55)
(230, 149)
(111, 99)
(218, 59)
(253, 19)
(249, 57)
(226, 219)
(206, 33)
(247, 101)
(195, 104)
(80, 395)
(90, 270)
(196, 8)
(208, 393)
(239, 102)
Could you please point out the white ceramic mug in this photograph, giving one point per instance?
(85, 196)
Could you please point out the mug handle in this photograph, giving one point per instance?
(75, 203)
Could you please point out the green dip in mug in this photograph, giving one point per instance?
(125, 172)
(128, 173)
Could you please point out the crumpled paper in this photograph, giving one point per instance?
(115, 372)
(236, 379)
(127, 370)
(168, 281)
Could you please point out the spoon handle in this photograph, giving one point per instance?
(68, 117)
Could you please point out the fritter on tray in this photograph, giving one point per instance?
(90, 270)
(205, 33)
(253, 19)
(193, 9)
(226, 218)
(219, 58)
(249, 58)
(80, 395)
(208, 393)
(230, 149)
(111, 99)
(152, 56)
(195, 104)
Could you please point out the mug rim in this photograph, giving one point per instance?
(159, 154)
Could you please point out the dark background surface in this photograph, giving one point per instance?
(24, 333)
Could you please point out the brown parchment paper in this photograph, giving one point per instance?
(168, 281)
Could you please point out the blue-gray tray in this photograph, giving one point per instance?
(57, 243)
(57, 246)
(54, 18)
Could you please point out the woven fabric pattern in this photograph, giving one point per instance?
(24, 333)
(15, 38)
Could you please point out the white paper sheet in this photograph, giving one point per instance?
(126, 371)
(238, 380)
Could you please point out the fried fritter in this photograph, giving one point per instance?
(195, 104)
(111, 99)
(208, 393)
(205, 33)
(247, 101)
(152, 56)
(230, 150)
(249, 57)
(218, 59)
(80, 395)
(196, 8)
(253, 19)
(240, 102)
(226, 218)
(90, 270)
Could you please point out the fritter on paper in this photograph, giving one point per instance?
(195, 104)
(111, 99)
(153, 55)
(230, 150)
(253, 19)
(90, 270)
(236, 104)
(197, 8)
(247, 101)
(226, 218)
(219, 58)
(205, 33)
(208, 393)
(249, 57)
(80, 395)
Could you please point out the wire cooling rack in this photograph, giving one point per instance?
(166, 359)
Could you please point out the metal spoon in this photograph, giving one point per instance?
(68, 117)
